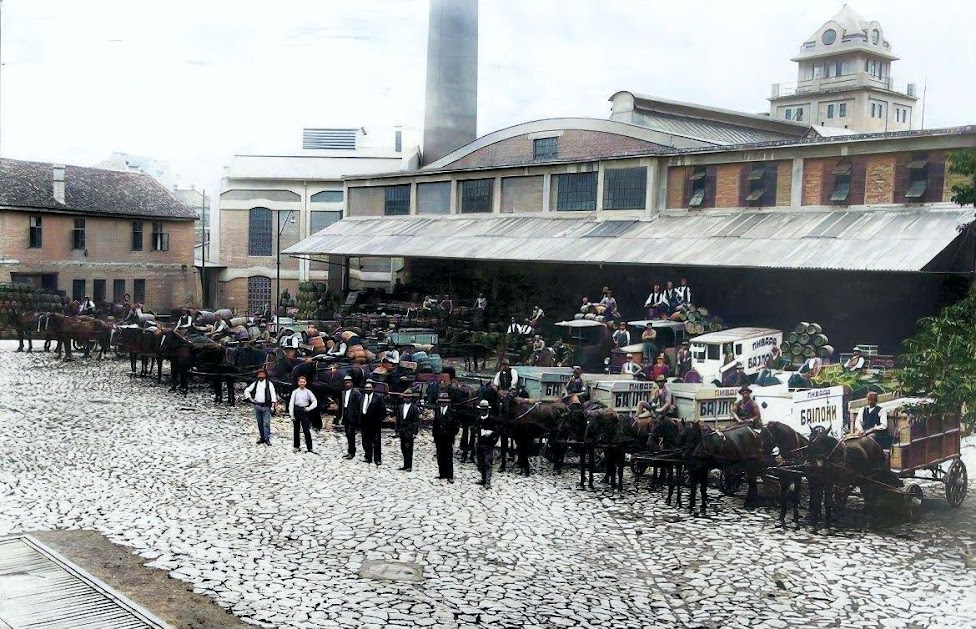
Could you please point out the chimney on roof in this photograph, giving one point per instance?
(58, 178)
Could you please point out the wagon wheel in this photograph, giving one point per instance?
(956, 483)
(78, 346)
(913, 499)
(730, 483)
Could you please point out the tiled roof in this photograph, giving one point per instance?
(30, 185)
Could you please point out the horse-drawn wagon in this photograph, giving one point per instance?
(590, 343)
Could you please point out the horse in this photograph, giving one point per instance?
(844, 463)
(176, 348)
(142, 344)
(737, 446)
(86, 330)
(524, 422)
(465, 400)
(23, 324)
(662, 440)
(781, 445)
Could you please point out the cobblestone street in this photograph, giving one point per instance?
(280, 538)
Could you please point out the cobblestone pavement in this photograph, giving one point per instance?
(279, 538)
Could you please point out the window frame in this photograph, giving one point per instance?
(35, 232)
(798, 114)
(621, 193)
(396, 200)
(789, 113)
(138, 241)
(260, 219)
(311, 220)
(160, 238)
(545, 149)
(78, 240)
(830, 111)
(117, 294)
(95, 290)
(842, 110)
(572, 191)
(256, 294)
(468, 193)
(76, 293)
(139, 291)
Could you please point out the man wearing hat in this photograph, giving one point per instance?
(631, 367)
(301, 402)
(350, 406)
(745, 410)
(407, 427)
(664, 403)
(683, 360)
(261, 393)
(445, 430)
(735, 377)
(372, 416)
(856, 362)
(575, 387)
(185, 321)
(487, 437)
(506, 378)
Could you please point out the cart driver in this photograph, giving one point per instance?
(746, 411)
(873, 420)
(575, 389)
(856, 362)
(506, 378)
(664, 406)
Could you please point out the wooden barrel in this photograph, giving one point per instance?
(819, 340)
(801, 327)
(225, 313)
(703, 312)
(784, 347)
(814, 328)
(205, 317)
(809, 351)
(689, 327)
(803, 339)
(146, 317)
(826, 351)
(791, 337)
(796, 350)
(715, 326)
(699, 327)
(236, 321)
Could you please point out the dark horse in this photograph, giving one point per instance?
(834, 463)
(662, 445)
(85, 330)
(784, 448)
(176, 348)
(524, 422)
(144, 345)
(25, 324)
(570, 434)
(737, 448)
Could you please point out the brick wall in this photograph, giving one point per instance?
(880, 180)
(234, 230)
(784, 183)
(521, 194)
(170, 277)
(813, 178)
(233, 293)
(727, 185)
(572, 144)
(677, 176)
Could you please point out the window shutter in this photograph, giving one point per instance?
(933, 194)
(770, 179)
(744, 170)
(859, 169)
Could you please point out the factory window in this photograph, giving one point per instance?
(842, 110)
(137, 235)
(77, 290)
(842, 183)
(575, 192)
(476, 195)
(34, 232)
(160, 239)
(98, 291)
(545, 149)
(799, 114)
(118, 290)
(327, 196)
(625, 188)
(789, 114)
(759, 184)
(258, 293)
(434, 198)
(830, 111)
(701, 187)
(78, 234)
(139, 291)
(259, 222)
(917, 177)
(396, 200)
(321, 220)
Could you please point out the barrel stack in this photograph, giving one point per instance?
(807, 340)
(21, 298)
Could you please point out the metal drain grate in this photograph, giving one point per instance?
(41, 589)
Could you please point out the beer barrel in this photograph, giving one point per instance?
(715, 326)
(819, 340)
(689, 327)
(801, 327)
(225, 313)
(784, 347)
(796, 350)
(146, 317)
(703, 312)
(803, 338)
(809, 351)
(205, 317)
(236, 321)
(699, 327)
(826, 351)
(814, 328)
(791, 337)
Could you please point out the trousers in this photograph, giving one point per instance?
(301, 421)
(372, 444)
(485, 457)
(350, 439)
(445, 457)
(406, 447)
(263, 416)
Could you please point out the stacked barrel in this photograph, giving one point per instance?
(307, 301)
(22, 299)
(698, 320)
(807, 340)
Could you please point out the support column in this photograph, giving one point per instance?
(599, 186)
(796, 183)
(546, 190)
(651, 205)
(454, 197)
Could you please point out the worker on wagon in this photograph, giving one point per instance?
(664, 402)
(87, 307)
(746, 410)
(682, 293)
(536, 317)
(873, 420)
(538, 346)
(660, 368)
(669, 296)
(631, 367)
(655, 303)
(683, 360)
(856, 362)
(776, 361)
(263, 336)
(621, 337)
(514, 328)
(185, 321)
(338, 348)
(609, 304)
(507, 377)
(575, 387)
(220, 328)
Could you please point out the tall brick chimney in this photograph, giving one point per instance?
(58, 178)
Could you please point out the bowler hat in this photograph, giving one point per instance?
(744, 389)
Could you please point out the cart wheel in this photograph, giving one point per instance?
(914, 500)
(956, 483)
(78, 346)
(730, 483)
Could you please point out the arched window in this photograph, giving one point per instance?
(258, 293)
(259, 221)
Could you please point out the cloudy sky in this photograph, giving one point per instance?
(193, 82)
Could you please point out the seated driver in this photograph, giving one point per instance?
(873, 421)
(746, 410)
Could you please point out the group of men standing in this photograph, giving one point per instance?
(663, 302)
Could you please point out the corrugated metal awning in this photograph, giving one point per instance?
(41, 589)
(902, 239)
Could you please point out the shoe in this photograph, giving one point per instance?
(315, 452)
(377, 463)
(367, 461)
(480, 482)
(488, 485)
(440, 478)
(268, 443)
(450, 480)
(260, 441)
(349, 457)
(402, 468)
(408, 469)
(297, 449)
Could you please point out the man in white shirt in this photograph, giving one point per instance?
(514, 328)
(856, 362)
(393, 355)
(656, 302)
(481, 303)
(300, 404)
(87, 307)
(873, 420)
(631, 367)
(621, 337)
(506, 378)
(184, 322)
(261, 393)
(683, 293)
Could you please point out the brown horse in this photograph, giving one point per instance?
(85, 330)
(662, 444)
(845, 463)
(24, 325)
(784, 447)
(524, 422)
(733, 450)
(616, 435)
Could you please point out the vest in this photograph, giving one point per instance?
(871, 417)
(505, 379)
(745, 409)
(267, 392)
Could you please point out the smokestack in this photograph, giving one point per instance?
(451, 99)
(58, 178)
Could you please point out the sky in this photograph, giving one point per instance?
(193, 82)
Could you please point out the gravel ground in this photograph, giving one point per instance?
(280, 538)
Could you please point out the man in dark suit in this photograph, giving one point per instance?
(350, 406)
(407, 427)
(445, 429)
(372, 416)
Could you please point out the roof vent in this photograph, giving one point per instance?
(58, 180)
(343, 139)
